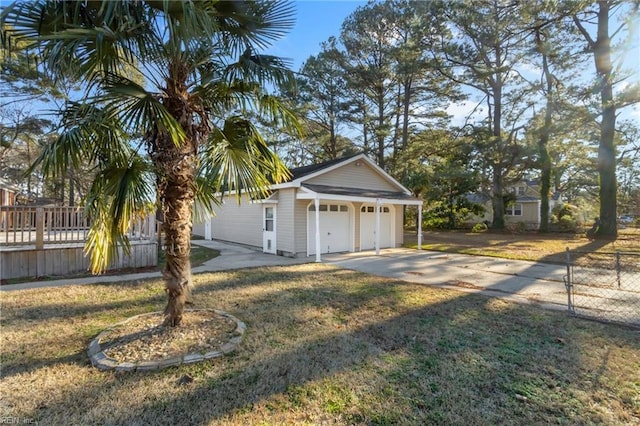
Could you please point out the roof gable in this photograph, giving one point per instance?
(319, 174)
(300, 172)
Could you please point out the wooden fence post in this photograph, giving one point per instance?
(39, 228)
(151, 227)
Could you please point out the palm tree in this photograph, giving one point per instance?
(167, 87)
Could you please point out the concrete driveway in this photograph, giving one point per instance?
(518, 280)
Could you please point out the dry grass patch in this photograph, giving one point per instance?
(323, 345)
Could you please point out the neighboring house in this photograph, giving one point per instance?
(525, 209)
(8, 193)
(324, 208)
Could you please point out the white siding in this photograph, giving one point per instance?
(285, 218)
(353, 176)
(530, 213)
(198, 229)
(240, 223)
(301, 226)
(399, 225)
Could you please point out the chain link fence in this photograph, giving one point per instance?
(604, 286)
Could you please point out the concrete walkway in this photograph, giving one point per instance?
(232, 256)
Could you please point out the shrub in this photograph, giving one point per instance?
(568, 223)
(517, 227)
(564, 209)
(479, 227)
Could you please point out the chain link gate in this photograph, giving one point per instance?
(604, 286)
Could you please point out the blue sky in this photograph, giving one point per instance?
(316, 21)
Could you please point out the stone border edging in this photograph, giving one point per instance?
(103, 362)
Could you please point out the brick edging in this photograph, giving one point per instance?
(103, 362)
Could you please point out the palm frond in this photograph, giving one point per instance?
(246, 96)
(78, 39)
(263, 69)
(272, 108)
(89, 134)
(254, 23)
(117, 197)
(206, 198)
(238, 159)
(141, 110)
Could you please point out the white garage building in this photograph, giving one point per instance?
(344, 205)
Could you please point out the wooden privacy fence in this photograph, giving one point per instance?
(30, 225)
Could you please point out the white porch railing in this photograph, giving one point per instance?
(31, 225)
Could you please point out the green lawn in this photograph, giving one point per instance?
(323, 346)
(198, 256)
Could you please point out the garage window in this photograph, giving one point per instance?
(330, 208)
(371, 209)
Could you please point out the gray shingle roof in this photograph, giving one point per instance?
(358, 192)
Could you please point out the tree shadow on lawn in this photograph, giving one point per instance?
(135, 300)
(72, 308)
(456, 358)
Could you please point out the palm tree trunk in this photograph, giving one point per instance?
(176, 177)
(177, 271)
(175, 166)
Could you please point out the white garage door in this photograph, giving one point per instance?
(368, 227)
(335, 228)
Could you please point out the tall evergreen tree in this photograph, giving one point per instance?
(600, 16)
(367, 39)
(322, 89)
(485, 57)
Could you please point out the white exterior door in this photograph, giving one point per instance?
(368, 227)
(269, 229)
(335, 228)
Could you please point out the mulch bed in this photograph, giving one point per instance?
(144, 338)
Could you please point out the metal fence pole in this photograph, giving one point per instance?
(618, 268)
(567, 282)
